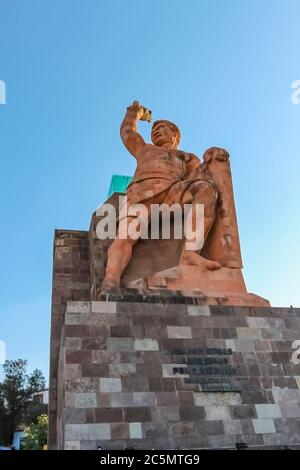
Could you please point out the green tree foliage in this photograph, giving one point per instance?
(17, 405)
(34, 410)
(36, 434)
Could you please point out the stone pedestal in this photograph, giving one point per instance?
(166, 372)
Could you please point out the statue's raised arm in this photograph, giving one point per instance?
(132, 140)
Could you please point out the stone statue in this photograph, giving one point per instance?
(167, 175)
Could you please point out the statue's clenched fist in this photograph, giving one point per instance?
(215, 153)
(143, 114)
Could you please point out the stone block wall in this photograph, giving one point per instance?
(177, 376)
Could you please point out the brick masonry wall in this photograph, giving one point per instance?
(71, 281)
(170, 376)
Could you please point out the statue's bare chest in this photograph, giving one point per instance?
(171, 161)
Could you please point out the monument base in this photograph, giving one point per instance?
(168, 372)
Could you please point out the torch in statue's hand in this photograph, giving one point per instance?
(144, 114)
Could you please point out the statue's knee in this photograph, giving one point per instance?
(203, 190)
(119, 245)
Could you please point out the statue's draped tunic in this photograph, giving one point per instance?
(165, 178)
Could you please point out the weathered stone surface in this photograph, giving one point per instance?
(221, 441)
(166, 398)
(72, 343)
(103, 307)
(120, 431)
(240, 345)
(183, 428)
(72, 445)
(120, 344)
(85, 400)
(232, 427)
(290, 410)
(209, 428)
(72, 318)
(268, 411)
(198, 310)
(186, 398)
(146, 344)
(217, 399)
(264, 426)
(190, 413)
(144, 399)
(121, 331)
(83, 384)
(122, 370)
(95, 370)
(108, 415)
(166, 413)
(93, 343)
(276, 439)
(298, 381)
(216, 413)
(130, 384)
(90, 445)
(155, 430)
(248, 333)
(281, 425)
(69, 399)
(72, 371)
(137, 414)
(108, 384)
(78, 357)
(135, 430)
(75, 416)
(87, 432)
(285, 395)
(179, 332)
(247, 427)
(121, 399)
(106, 357)
(77, 307)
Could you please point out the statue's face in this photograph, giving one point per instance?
(163, 134)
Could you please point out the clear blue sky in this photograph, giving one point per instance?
(221, 69)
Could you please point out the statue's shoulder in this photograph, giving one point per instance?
(189, 157)
(145, 150)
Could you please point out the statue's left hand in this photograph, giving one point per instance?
(216, 153)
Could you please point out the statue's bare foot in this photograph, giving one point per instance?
(107, 285)
(191, 258)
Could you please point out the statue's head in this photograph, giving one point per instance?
(165, 132)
